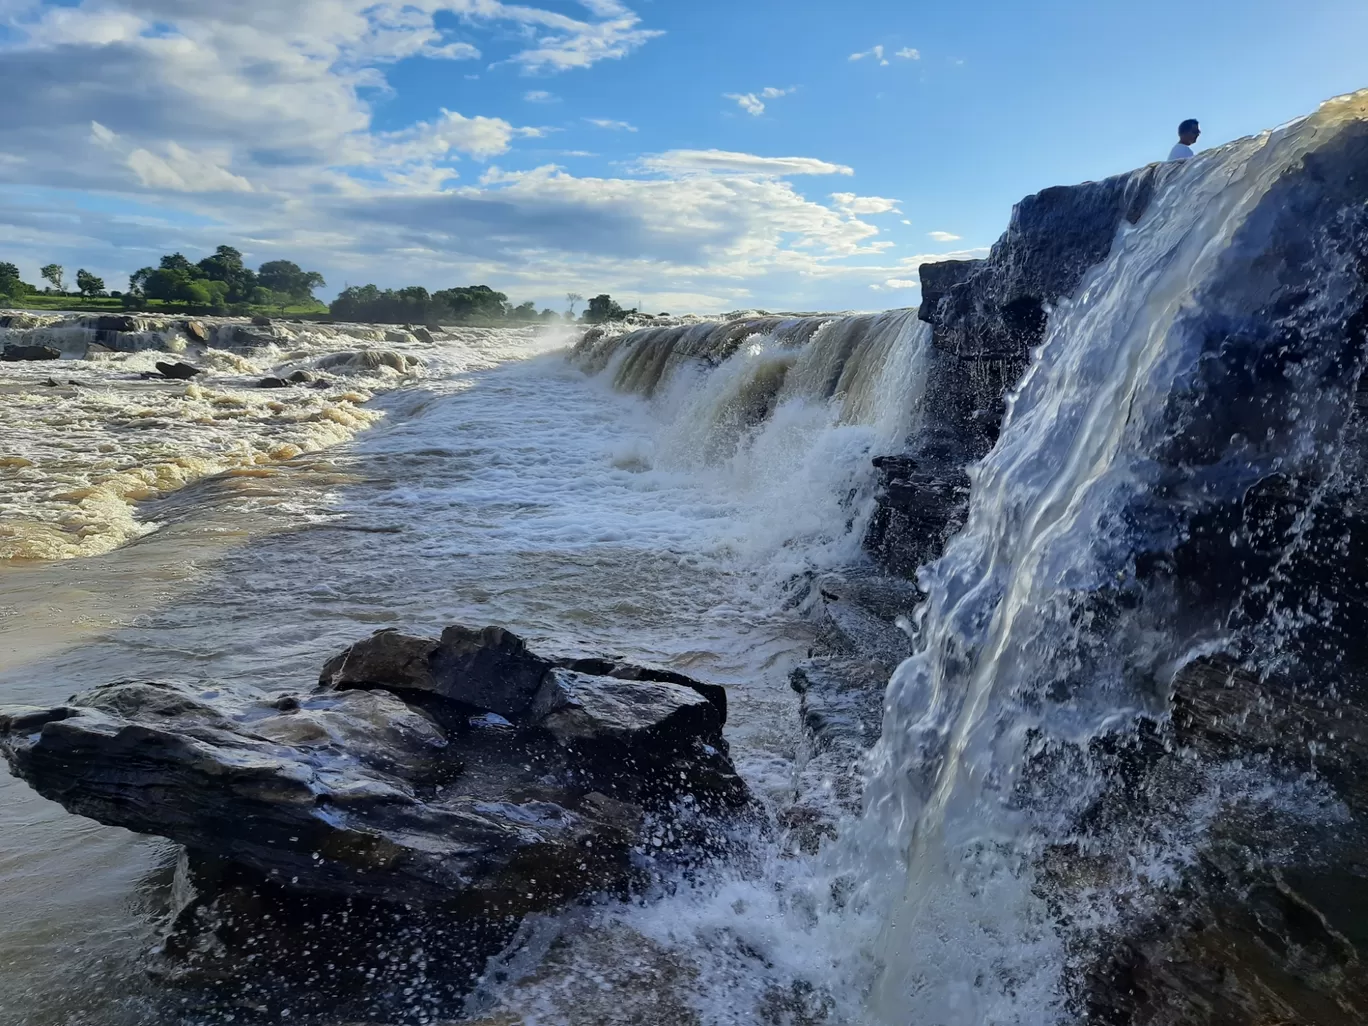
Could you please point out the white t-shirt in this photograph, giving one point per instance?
(1181, 152)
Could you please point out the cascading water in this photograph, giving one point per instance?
(787, 411)
(1019, 812)
(1159, 395)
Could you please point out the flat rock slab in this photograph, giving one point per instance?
(357, 790)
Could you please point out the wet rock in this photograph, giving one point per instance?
(300, 377)
(17, 354)
(986, 317)
(261, 322)
(196, 330)
(177, 371)
(273, 383)
(578, 707)
(253, 338)
(398, 779)
(422, 335)
(117, 323)
(489, 668)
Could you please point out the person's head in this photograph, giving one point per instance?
(1188, 132)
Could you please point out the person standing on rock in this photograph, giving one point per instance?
(1188, 132)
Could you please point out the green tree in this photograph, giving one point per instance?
(602, 309)
(226, 266)
(524, 312)
(54, 273)
(12, 287)
(88, 284)
(289, 278)
(178, 262)
(474, 304)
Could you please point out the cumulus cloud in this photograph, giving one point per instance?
(611, 125)
(753, 103)
(849, 203)
(876, 52)
(725, 162)
(250, 124)
(944, 236)
(908, 54)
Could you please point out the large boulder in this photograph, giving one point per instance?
(399, 779)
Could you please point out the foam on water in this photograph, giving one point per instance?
(76, 460)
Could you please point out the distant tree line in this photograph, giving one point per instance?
(223, 284)
(14, 289)
(220, 284)
(473, 304)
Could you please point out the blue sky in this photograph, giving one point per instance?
(702, 156)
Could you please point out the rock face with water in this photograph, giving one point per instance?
(986, 316)
(464, 772)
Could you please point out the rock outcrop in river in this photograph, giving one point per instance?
(466, 773)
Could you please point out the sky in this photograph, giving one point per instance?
(684, 155)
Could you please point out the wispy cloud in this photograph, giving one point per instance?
(907, 53)
(944, 236)
(754, 103)
(877, 52)
(540, 96)
(726, 162)
(611, 125)
(849, 203)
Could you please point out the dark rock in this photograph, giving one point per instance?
(196, 330)
(488, 668)
(16, 354)
(422, 335)
(300, 377)
(986, 316)
(117, 323)
(177, 371)
(403, 795)
(320, 383)
(273, 383)
(577, 707)
(249, 338)
(436, 329)
(261, 322)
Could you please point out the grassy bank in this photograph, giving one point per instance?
(43, 302)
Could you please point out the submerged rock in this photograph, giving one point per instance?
(196, 330)
(177, 371)
(16, 354)
(464, 772)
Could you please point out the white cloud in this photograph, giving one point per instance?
(849, 203)
(906, 221)
(540, 96)
(726, 162)
(944, 236)
(753, 103)
(908, 54)
(250, 123)
(898, 283)
(748, 102)
(178, 169)
(876, 52)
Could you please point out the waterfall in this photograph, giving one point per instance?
(785, 412)
(1210, 353)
